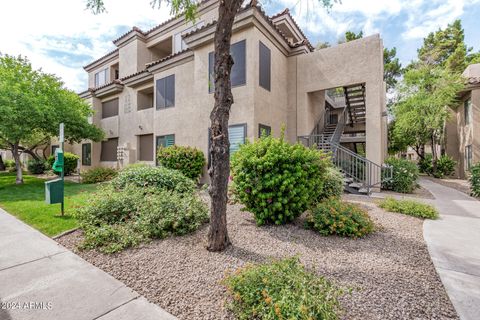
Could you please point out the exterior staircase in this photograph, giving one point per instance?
(355, 102)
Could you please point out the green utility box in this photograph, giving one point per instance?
(54, 191)
(58, 164)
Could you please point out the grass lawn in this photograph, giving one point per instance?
(27, 202)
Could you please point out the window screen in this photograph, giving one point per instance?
(264, 67)
(145, 146)
(87, 154)
(101, 78)
(166, 92)
(110, 108)
(238, 76)
(165, 141)
(264, 130)
(467, 105)
(236, 136)
(468, 157)
(109, 150)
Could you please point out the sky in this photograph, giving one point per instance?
(61, 36)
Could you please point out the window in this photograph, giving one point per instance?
(264, 130)
(468, 157)
(109, 150)
(54, 147)
(165, 141)
(145, 147)
(166, 92)
(467, 106)
(265, 67)
(236, 136)
(101, 77)
(110, 108)
(178, 42)
(87, 154)
(238, 76)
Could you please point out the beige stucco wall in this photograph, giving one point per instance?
(355, 62)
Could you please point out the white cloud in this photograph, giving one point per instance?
(34, 28)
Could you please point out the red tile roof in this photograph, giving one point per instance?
(167, 58)
(102, 57)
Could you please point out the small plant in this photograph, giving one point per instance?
(188, 160)
(99, 174)
(425, 165)
(117, 219)
(36, 166)
(10, 165)
(277, 181)
(334, 216)
(474, 180)
(409, 207)
(333, 184)
(445, 167)
(70, 163)
(157, 177)
(282, 289)
(405, 175)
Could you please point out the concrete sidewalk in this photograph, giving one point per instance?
(41, 280)
(454, 245)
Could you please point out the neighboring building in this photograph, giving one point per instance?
(463, 128)
(156, 88)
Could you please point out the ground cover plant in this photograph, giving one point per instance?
(282, 289)
(27, 202)
(188, 160)
(116, 219)
(336, 217)
(277, 181)
(409, 207)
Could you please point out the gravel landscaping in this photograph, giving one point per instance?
(390, 271)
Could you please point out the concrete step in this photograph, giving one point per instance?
(355, 185)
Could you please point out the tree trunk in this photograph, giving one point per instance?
(219, 145)
(434, 154)
(2, 165)
(18, 165)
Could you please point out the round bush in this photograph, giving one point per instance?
(10, 165)
(36, 166)
(445, 167)
(157, 177)
(99, 174)
(334, 216)
(405, 175)
(425, 165)
(333, 184)
(474, 180)
(277, 181)
(189, 161)
(70, 162)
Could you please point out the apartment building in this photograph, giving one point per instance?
(156, 88)
(463, 128)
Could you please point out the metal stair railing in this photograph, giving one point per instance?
(358, 168)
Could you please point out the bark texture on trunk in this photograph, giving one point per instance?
(18, 166)
(2, 165)
(219, 145)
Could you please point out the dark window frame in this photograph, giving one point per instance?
(87, 161)
(114, 114)
(467, 110)
(211, 67)
(103, 155)
(264, 79)
(262, 127)
(53, 148)
(163, 136)
(468, 157)
(171, 103)
(209, 158)
(97, 77)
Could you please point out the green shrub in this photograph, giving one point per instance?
(425, 165)
(275, 180)
(333, 184)
(10, 165)
(282, 289)
(70, 162)
(405, 175)
(188, 160)
(157, 177)
(36, 166)
(99, 174)
(409, 207)
(474, 180)
(445, 167)
(117, 219)
(334, 216)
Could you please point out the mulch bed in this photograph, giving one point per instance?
(390, 271)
